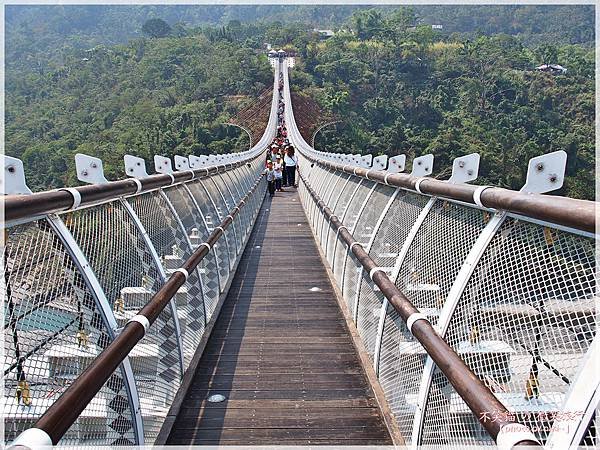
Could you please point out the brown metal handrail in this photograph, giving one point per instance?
(31, 205)
(569, 212)
(471, 389)
(61, 415)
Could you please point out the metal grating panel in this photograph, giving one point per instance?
(212, 219)
(52, 330)
(126, 271)
(523, 324)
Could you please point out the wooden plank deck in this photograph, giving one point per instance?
(280, 353)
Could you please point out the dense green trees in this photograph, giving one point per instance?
(156, 28)
(399, 85)
(160, 96)
(413, 90)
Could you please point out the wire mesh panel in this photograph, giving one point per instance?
(172, 244)
(222, 209)
(190, 301)
(363, 232)
(426, 274)
(437, 253)
(350, 218)
(237, 191)
(52, 331)
(212, 219)
(330, 198)
(126, 271)
(523, 324)
(327, 176)
(230, 202)
(339, 210)
(368, 305)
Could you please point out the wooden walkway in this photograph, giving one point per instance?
(280, 352)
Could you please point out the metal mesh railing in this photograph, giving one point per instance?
(515, 297)
(53, 328)
(74, 279)
(508, 280)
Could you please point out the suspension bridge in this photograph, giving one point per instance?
(368, 307)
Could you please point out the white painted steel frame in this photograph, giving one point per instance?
(368, 250)
(458, 286)
(81, 263)
(161, 271)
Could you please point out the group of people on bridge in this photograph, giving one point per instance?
(281, 160)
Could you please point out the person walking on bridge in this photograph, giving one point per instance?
(291, 161)
(270, 174)
(278, 168)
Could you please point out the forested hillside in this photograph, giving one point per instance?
(411, 90)
(89, 79)
(154, 96)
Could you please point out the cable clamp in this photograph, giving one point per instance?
(512, 433)
(367, 174)
(207, 245)
(413, 318)
(340, 228)
(386, 177)
(418, 185)
(477, 195)
(172, 178)
(193, 172)
(142, 320)
(33, 438)
(375, 269)
(185, 273)
(353, 244)
(75, 194)
(220, 228)
(230, 216)
(138, 183)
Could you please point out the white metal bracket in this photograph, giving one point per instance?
(422, 166)
(195, 162)
(89, 169)
(182, 163)
(356, 159)
(397, 164)
(465, 168)
(366, 161)
(14, 177)
(162, 164)
(545, 173)
(380, 162)
(135, 167)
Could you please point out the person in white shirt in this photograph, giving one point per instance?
(278, 168)
(291, 161)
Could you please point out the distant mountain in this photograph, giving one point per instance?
(38, 34)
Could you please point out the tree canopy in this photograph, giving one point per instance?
(156, 28)
(80, 78)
